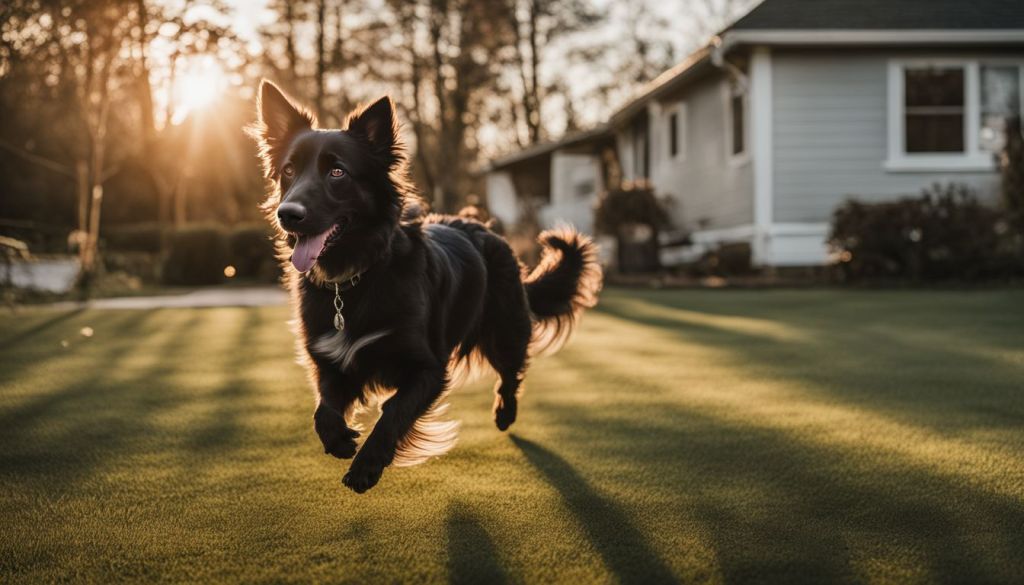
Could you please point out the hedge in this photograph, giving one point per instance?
(945, 234)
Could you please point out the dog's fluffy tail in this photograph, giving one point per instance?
(564, 283)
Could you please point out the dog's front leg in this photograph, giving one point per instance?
(336, 391)
(416, 392)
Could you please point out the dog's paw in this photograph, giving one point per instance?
(361, 477)
(340, 443)
(504, 412)
(337, 438)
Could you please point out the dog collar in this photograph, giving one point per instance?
(339, 304)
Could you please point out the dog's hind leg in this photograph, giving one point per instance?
(506, 352)
(336, 392)
(506, 327)
(417, 390)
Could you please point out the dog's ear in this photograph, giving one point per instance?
(280, 119)
(377, 125)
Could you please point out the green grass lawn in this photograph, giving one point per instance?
(783, 436)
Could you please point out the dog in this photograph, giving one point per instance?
(391, 303)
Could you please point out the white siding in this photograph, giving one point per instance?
(830, 135)
(575, 183)
(624, 146)
(709, 191)
(502, 202)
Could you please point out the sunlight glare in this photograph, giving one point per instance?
(200, 83)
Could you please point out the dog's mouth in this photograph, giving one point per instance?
(309, 248)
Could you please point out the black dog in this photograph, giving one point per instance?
(388, 302)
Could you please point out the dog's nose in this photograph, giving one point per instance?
(290, 214)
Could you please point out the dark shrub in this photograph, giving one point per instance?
(141, 265)
(1012, 166)
(251, 252)
(634, 216)
(197, 255)
(140, 237)
(945, 234)
(725, 260)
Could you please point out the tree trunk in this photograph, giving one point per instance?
(438, 15)
(533, 115)
(321, 57)
(293, 60)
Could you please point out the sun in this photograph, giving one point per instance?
(199, 84)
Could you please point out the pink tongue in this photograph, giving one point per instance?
(307, 249)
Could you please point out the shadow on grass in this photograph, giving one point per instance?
(893, 357)
(778, 508)
(472, 555)
(622, 547)
(27, 335)
(223, 427)
(61, 437)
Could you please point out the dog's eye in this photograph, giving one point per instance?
(288, 170)
(337, 172)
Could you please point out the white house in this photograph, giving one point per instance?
(559, 181)
(802, 104)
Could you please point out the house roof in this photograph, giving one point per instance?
(847, 23)
(671, 78)
(547, 147)
(884, 15)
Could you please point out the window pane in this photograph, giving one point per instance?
(935, 133)
(738, 133)
(673, 135)
(934, 109)
(1000, 100)
(935, 87)
(584, 188)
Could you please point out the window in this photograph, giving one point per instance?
(736, 122)
(736, 113)
(1000, 101)
(934, 109)
(673, 134)
(950, 114)
(584, 188)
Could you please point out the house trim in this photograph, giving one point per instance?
(787, 244)
(732, 88)
(760, 123)
(797, 37)
(973, 158)
(682, 129)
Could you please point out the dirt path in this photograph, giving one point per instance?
(212, 297)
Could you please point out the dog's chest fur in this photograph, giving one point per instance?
(341, 348)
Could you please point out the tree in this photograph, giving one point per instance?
(537, 26)
(1012, 165)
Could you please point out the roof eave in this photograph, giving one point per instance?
(863, 37)
(542, 149)
(663, 83)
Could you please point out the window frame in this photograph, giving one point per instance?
(730, 89)
(681, 127)
(973, 158)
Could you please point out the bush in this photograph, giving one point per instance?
(1012, 167)
(141, 265)
(251, 252)
(198, 255)
(629, 205)
(945, 234)
(140, 237)
(732, 259)
(634, 216)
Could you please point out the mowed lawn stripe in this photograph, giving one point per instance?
(780, 436)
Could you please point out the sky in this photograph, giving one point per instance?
(691, 22)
